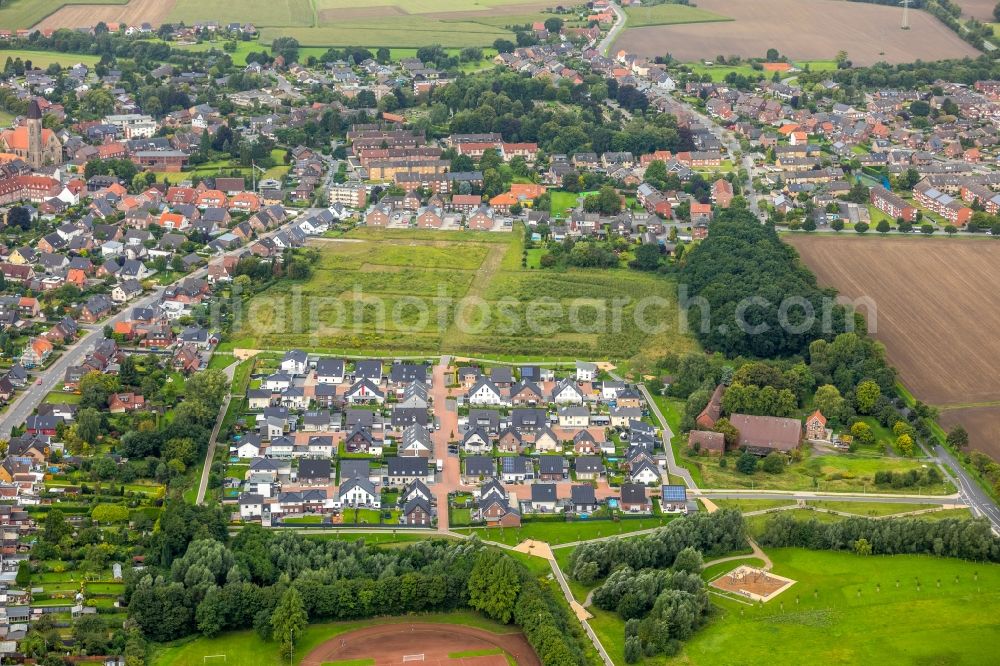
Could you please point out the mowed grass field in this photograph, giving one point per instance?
(920, 291)
(27, 13)
(801, 30)
(846, 609)
(394, 23)
(415, 292)
(669, 14)
(43, 59)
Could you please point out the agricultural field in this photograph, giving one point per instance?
(669, 14)
(262, 13)
(400, 292)
(27, 13)
(76, 14)
(397, 23)
(920, 288)
(801, 29)
(980, 9)
(846, 609)
(43, 59)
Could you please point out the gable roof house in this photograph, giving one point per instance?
(761, 435)
(496, 507)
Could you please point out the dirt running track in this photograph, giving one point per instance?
(803, 30)
(135, 12)
(387, 644)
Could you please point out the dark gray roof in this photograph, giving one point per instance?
(315, 468)
(480, 466)
(543, 492)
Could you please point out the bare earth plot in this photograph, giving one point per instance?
(936, 314)
(135, 12)
(26, 13)
(803, 30)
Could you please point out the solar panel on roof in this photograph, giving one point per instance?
(674, 493)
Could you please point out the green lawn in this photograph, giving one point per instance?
(850, 611)
(562, 202)
(827, 473)
(669, 14)
(872, 508)
(246, 648)
(745, 505)
(42, 59)
(556, 533)
(26, 13)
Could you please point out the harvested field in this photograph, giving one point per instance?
(982, 424)
(27, 13)
(135, 12)
(936, 317)
(802, 30)
(980, 9)
(436, 644)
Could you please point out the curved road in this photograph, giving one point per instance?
(604, 46)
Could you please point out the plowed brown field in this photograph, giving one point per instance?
(937, 312)
(802, 30)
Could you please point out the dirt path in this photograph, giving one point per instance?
(480, 283)
(757, 552)
(390, 643)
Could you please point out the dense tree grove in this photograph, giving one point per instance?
(275, 581)
(655, 583)
(516, 107)
(749, 295)
(966, 539)
(709, 534)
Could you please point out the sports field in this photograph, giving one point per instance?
(426, 292)
(429, 644)
(247, 648)
(921, 288)
(846, 609)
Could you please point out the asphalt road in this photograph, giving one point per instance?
(974, 496)
(609, 39)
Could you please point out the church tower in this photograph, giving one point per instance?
(35, 135)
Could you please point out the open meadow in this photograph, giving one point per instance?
(42, 59)
(846, 609)
(399, 292)
(920, 289)
(800, 29)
